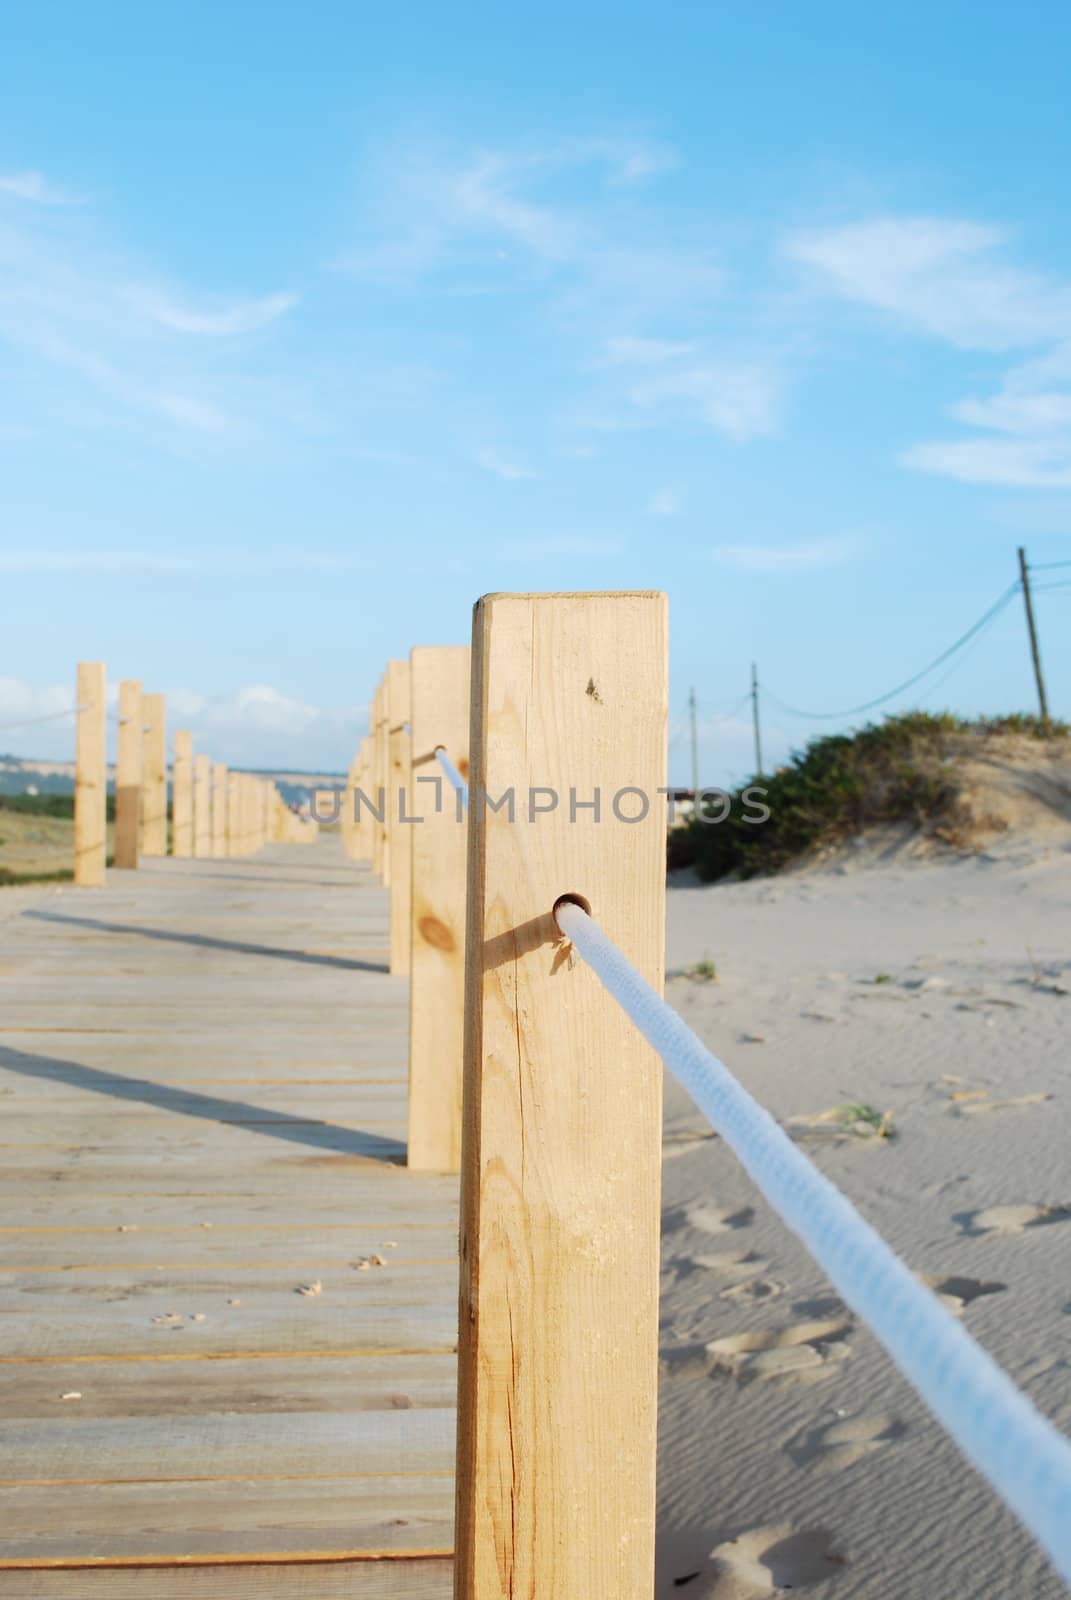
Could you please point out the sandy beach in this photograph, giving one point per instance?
(936, 992)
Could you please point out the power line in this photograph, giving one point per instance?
(1048, 566)
(869, 705)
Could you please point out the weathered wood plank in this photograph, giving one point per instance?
(166, 1449)
(165, 1522)
(325, 1580)
(206, 1388)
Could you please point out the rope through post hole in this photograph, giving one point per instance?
(998, 1429)
(460, 786)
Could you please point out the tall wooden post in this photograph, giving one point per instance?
(381, 782)
(234, 813)
(219, 809)
(400, 804)
(90, 777)
(439, 715)
(128, 774)
(182, 794)
(364, 820)
(154, 781)
(561, 1136)
(202, 805)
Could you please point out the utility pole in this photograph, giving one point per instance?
(755, 718)
(695, 744)
(1024, 574)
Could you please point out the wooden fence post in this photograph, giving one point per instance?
(561, 1145)
(363, 817)
(234, 812)
(182, 794)
(202, 805)
(154, 780)
(381, 783)
(219, 809)
(128, 774)
(90, 777)
(400, 806)
(439, 715)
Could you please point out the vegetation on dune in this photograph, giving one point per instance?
(60, 806)
(899, 770)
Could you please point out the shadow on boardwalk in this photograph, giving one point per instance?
(206, 942)
(189, 1103)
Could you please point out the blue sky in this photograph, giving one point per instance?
(318, 321)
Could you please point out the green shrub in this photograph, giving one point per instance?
(897, 770)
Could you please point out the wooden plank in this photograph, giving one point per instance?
(398, 1441)
(165, 1523)
(382, 782)
(323, 1580)
(128, 775)
(182, 794)
(439, 716)
(154, 777)
(144, 1249)
(90, 777)
(561, 1141)
(401, 829)
(341, 1384)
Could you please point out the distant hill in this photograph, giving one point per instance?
(27, 776)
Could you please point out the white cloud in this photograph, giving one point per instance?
(72, 302)
(491, 461)
(254, 725)
(1013, 463)
(943, 275)
(244, 317)
(664, 503)
(35, 187)
(788, 558)
(949, 278)
(679, 379)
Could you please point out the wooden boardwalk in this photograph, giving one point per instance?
(203, 1100)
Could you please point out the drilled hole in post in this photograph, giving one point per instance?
(570, 900)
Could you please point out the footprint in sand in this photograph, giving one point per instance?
(956, 1293)
(768, 1561)
(842, 1443)
(709, 1219)
(752, 1290)
(728, 1263)
(1009, 1219)
(804, 1351)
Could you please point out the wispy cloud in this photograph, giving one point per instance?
(35, 187)
(683, 379)
(950, 279)
(76, 304)
(224, 322)
(491, 461)
(789, 558)
(1012, 463)
(256, 724)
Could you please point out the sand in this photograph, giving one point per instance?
(792, 1454)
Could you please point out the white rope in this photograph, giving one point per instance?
(53, 716)
(998, 1429)
(454, 776)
